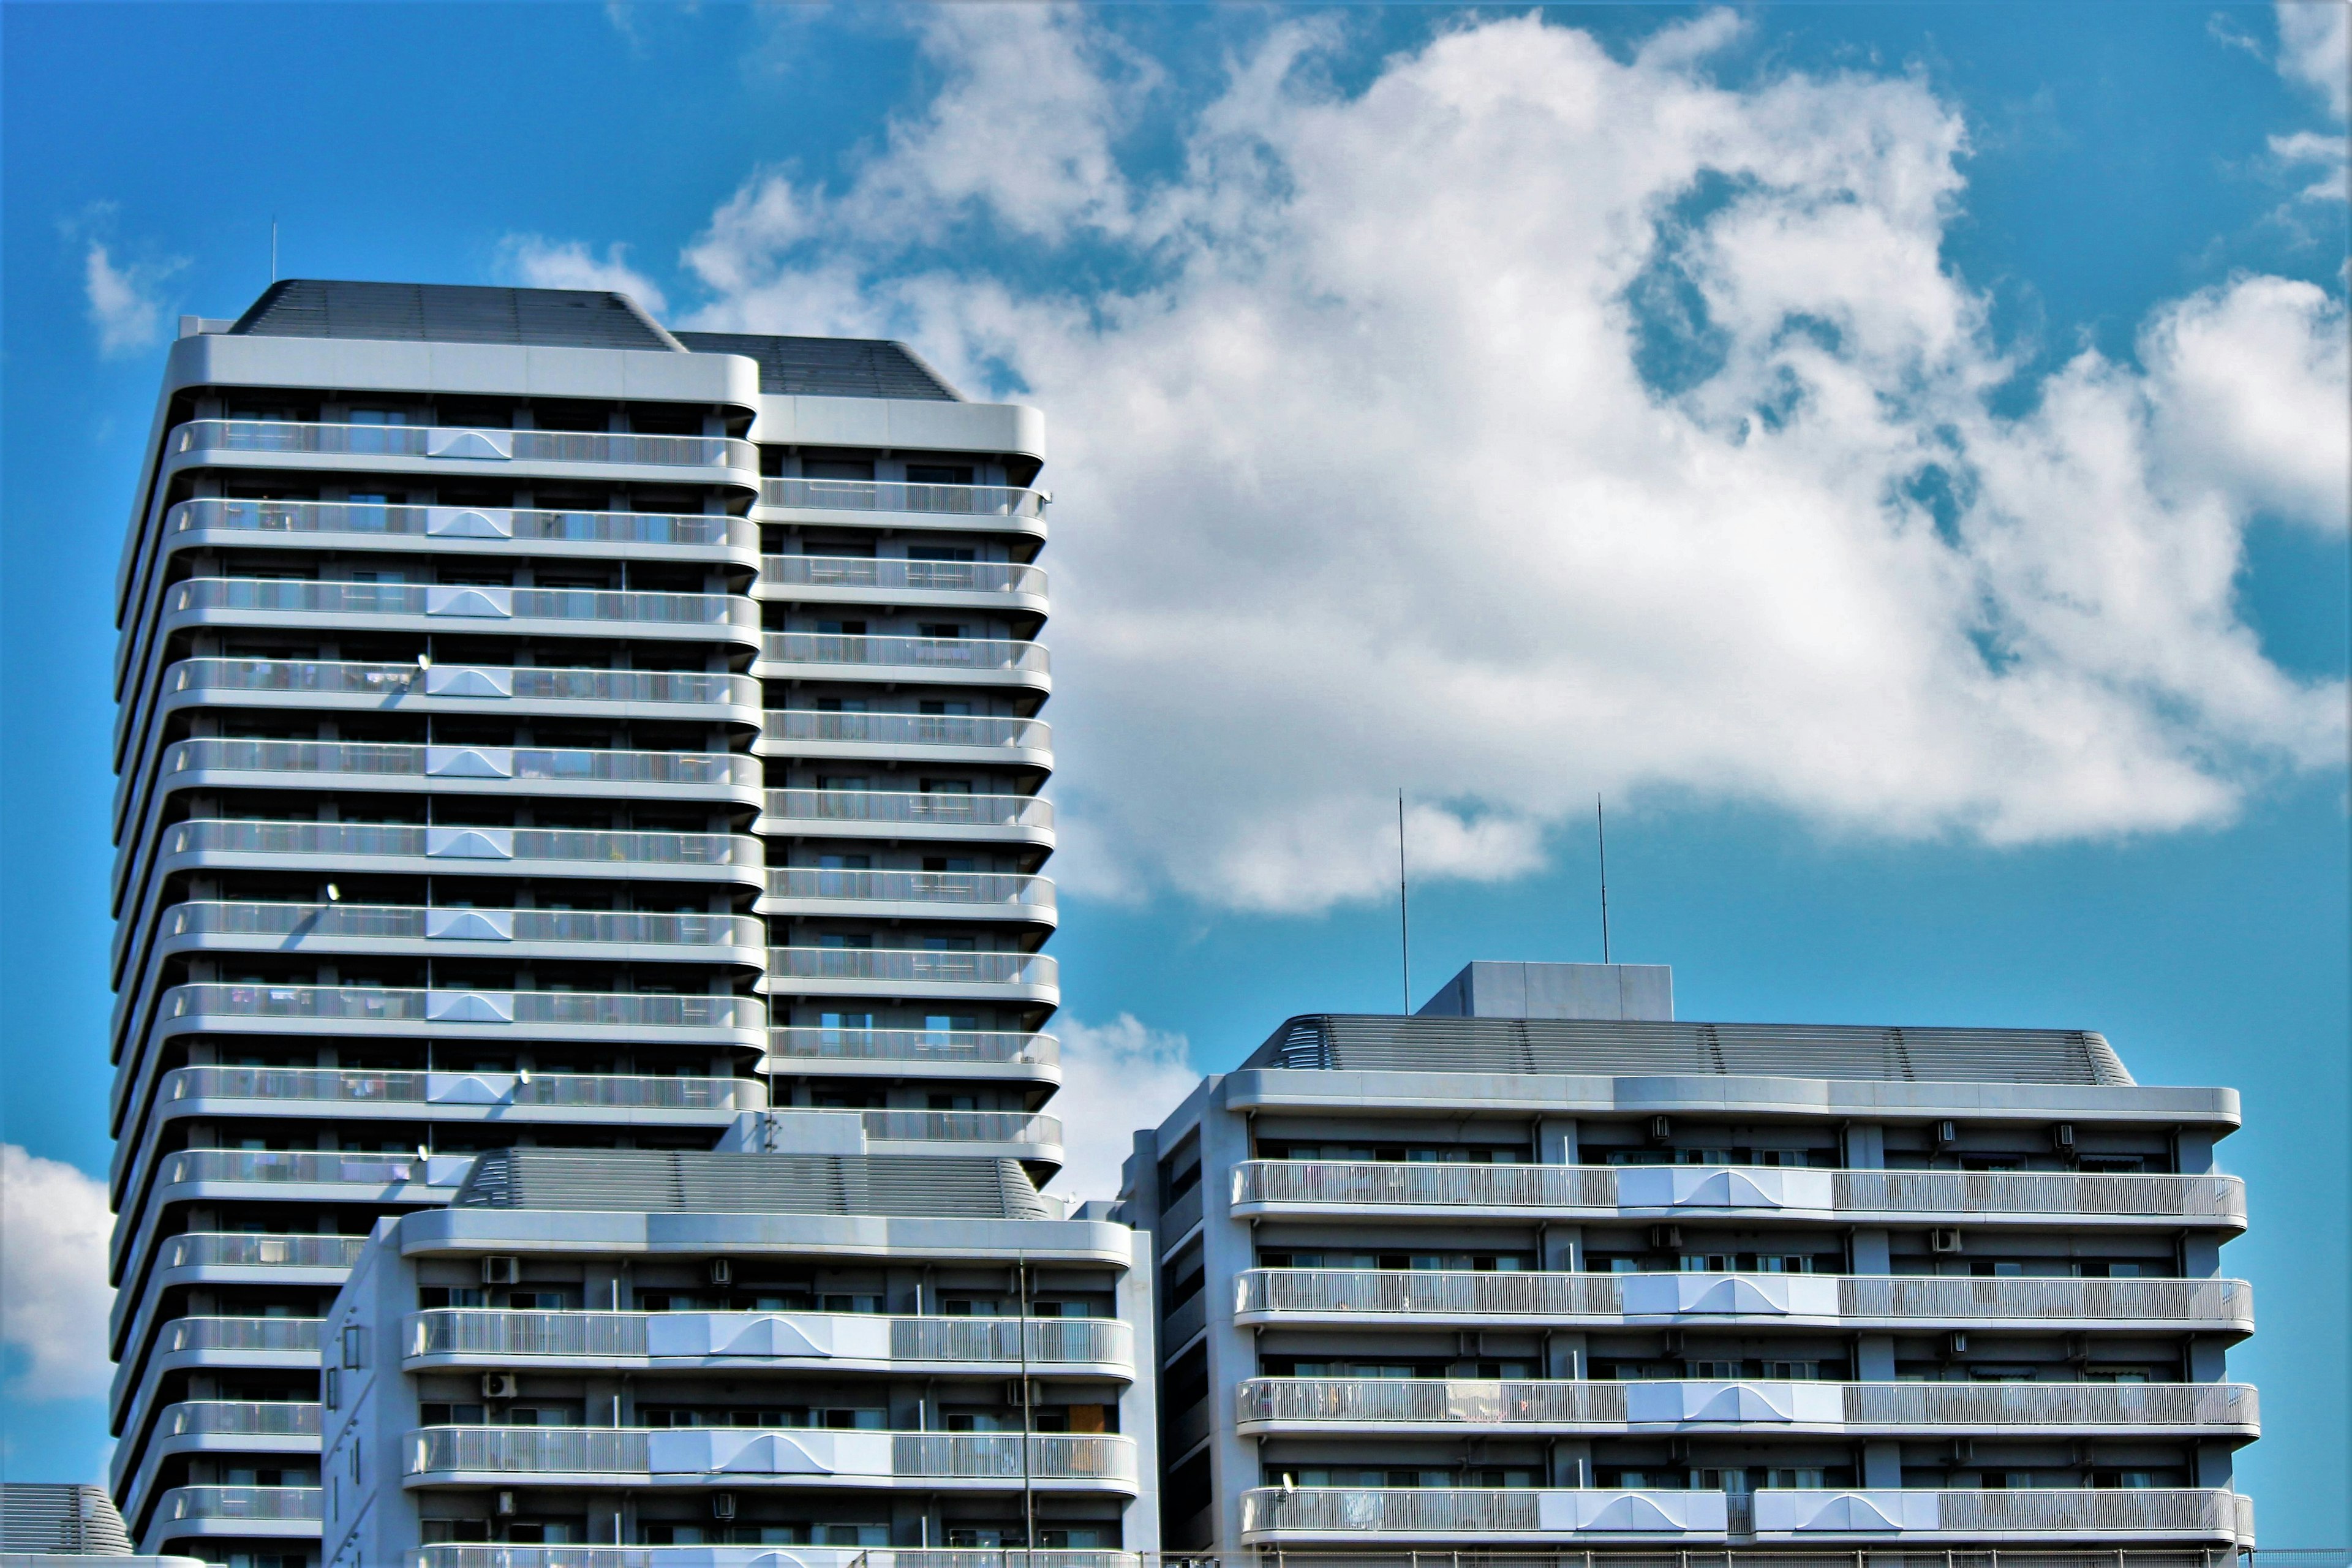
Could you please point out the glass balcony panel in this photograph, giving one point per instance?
(197, 1503)
(954, 654)
(292, 1334)
(521, 1451)
(503, 1556)
(430, 440)
(226, 1249)
(913, 964)
(305, 597)
(1868, 1405)
(869, 495)
(890, 572)
(963, 1126)
(908, 729)
(911, 806)
(339, 517)
(354, 1086)
(254, 1418)
(716, 768)
(483, 1331)
(926, 1045)
(371, 1005)
(276, 837)
(911, 887)
(419, 924)
(543, 684)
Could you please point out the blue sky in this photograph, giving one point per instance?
(1915, 702)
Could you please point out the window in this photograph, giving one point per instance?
(938, 474)
(836, 469)
(940, 630)
(944, 710)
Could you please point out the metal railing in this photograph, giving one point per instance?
(354, 1085)
(473, 845)
(912, 966)
(518, 763)
(419, 923)
(1437, 1511)
(871, 495)
(953, 654)
(464, 442)
(497, 522)
(525, 683)
(608, 1450)
(1473, 1401)
(943, 1046)
(1419, 1511)
(907, 729)
(921, 808)
(360, 1004)
(911, 887)
(287, 1334)
(291, 1166)
(236, 1250)
(476, 1556)
(249, 1418)
(1585, 1186)
(458, 601)
(963, 1127)
(894, 572)
(197, 1503)
(483, 1332)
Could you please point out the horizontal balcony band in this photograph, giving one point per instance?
(472, 1555)
(462, 445)
(1027, 1135)
(276, 764)
(894, 574)
(1444, 1192)
(1409, 1516)
(183, 1344)
(340, 926)
(363, 521)
(350, 1087)
(738, 1457)
(216, 1428)
(247, 1419)
(1349, 1296)
(235, 1257)
(756, 1338)
(353, 1174)
(741, 1019)
(968, 738)
(792, 1048)
(283, 1513)
(294, 1337)
(943, 505)
(464, 851)
(446, 605)
(969, 891)
(837, 811)
(916, 972)
(451, 686)
(961, 660)
(1325, 1406)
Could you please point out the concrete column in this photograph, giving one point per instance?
(1865, 1147)
(1871, 1251)
(1882, 1464)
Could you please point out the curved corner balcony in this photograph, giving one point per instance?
(751, 1340)
(236, 1257)
(958, 508)
(1430, 1516)
(476, 1556)
(271, 1512)
(914, 973)
(655, 1016)
(257, 844)
(195, 1425)
(960, 661)
(924, 814)
(898, 1053)
(450, 448)
(998, 585)
(1843, 1302)
(451, 688)
(422, 930)
(421, 608)
(737, 1456)
(234, 764)
(266, 1342)
(960, 738)
(342, 525)
(810, 891)
(1446, 1193)
(1440, 1407)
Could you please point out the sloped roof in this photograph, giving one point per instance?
(831, 367)
(454, 313)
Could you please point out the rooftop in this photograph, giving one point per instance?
(654, 1181)
(453, 313)
(831, 367)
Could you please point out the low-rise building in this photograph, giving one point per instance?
(61, 1525)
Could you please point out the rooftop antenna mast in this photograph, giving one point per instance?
(1404, 915)
(1601, 831)
(273, 248)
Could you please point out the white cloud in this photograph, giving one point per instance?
(53, 1232)
(1115, 1076)
(539, 263)
(2315, 48)
(2325, 154)
(1530, 421)
(124, 301)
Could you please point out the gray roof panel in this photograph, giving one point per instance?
(831, 367)
(61, 1518)
(454, 313)
(655, 1181)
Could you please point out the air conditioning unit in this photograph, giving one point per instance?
(2062, 1137)
(1943, 1241)
(722, 1271)
(500, 1386)
(498, 1270)
(722, 1505)
(1666, 1237)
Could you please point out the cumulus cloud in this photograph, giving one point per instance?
(539, 263)
(1115, 1076)
(124, 300)
(2316, 49)
(1528, 420)
(54, 1298)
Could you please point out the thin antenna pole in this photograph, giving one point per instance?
(1405, 908)
(273, 248)
(1601, 831)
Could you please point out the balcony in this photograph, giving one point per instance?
(461, 446)
(913, 973)
(964, 739)
(270, 1256)
(455, 606)
(1445, 1193)
(598, 934)
(739, 1456)
(1439, 1407)
(956, 507)
(462, 850)
(560, 1014)
(667, 1341)
(476, 1556)
(909, 895)
(799, 1048)
(1007, 1134)
(281, 1512)
(525, 770)
(1348, 1516)
(286, 1341)
(910, 814)
(183, 1344)
(240, 1419)
(447, 687)
(866, 577)
(247, 522)
(207, 1088)
(1842, 1301)
(964, 661)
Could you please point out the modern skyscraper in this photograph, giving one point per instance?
(1542, 1271)
(539, 729)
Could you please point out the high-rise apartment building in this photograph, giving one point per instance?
(1543, 1271)
(539, 729)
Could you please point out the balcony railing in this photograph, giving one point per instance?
(292, 1335)
(894, 574)
(1871, 1405)
(870, 495)
(250, 1418)
(944, 1047)
(519, 763)
(232, 1249)
(289, 1166)
(458, 601)
(929, 654)
(627, 1335)
(461, 442)
(907, 729)
(351, 1086)
(1864, 1297)
(911, 887)
(476, 1556)
(908, 808)
(468, 845)
(284, 517)
(963, 1127)
(532, 684)
(1986, 1193)
(606, 1450)
(922, 966)
(371, 1005)
(195, 1504)
(417, 922)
